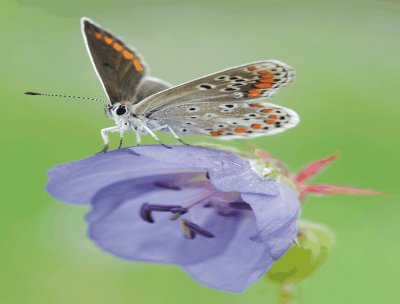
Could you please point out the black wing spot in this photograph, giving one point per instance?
(229, 106)
(230, 89)
(205, 86)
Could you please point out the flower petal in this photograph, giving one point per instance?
(77, 182)
(116, 226)
(276, 219)
(228, 172)
(244, 261)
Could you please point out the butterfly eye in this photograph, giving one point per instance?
(121, 110)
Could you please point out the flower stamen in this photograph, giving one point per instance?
(147, 209)
(190, 230)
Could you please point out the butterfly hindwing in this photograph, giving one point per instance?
(149, 86)
(248, 82)
(119, 67)
(229, 120)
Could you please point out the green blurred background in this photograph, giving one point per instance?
(346, 55)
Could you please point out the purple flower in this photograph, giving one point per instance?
(203, 209)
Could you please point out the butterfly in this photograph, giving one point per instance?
(224, 105)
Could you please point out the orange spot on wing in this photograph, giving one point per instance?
(118, 47)
(266, 80)
(265, 73)
(253, 93)
(138, 66)
(266, 110)
(127, 54)
(256, 126)
(216, 133)
(252, 68)
(269, 121)
(240, 130)
(256, 105)
(274, 117)
(98, 35)
(107, 40)
(262, 85)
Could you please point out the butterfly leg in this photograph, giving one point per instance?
(104, 134)
(176, 136)
(138, 138)
(121, 138)
(172, 132)
(154, 136)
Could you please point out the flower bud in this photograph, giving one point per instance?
(315, 241)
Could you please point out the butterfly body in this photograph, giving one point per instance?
(126, 120)
(224, 104)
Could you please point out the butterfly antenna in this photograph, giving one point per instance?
(107, 103)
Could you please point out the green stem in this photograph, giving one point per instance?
(287, 293)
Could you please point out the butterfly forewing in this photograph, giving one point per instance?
(248, 82)
(119, 67)
(227, 120)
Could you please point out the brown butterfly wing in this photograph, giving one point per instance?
(118, 66)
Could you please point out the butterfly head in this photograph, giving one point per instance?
(118, 111)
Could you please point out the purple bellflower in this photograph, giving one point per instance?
(205, 210)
